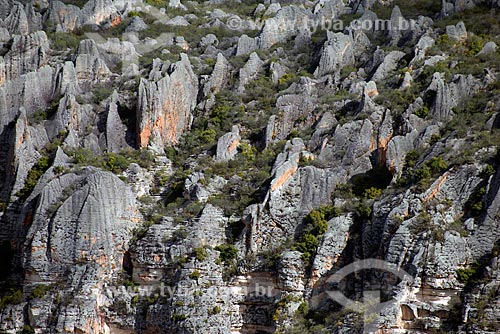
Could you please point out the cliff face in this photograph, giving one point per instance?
(184, 167)
(165, 106)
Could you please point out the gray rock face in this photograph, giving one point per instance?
(337, 53)
(397, 149)
(165, 106)
(441, 110)
(326, 123)
(288, 22)
(425, 43)
(178, 21)
(329, 9)
(292, 107)
(457, 32)
(455, 6)
(65, 17)
(291, 272)
(198, 189)
(488, 48)
(277, 72)
(27, 53)
(114, 51)
(100, 11)
(70, 115)
(331, 247)
(250, 71)
(115, 129)
(80, 230)
(17, 21)
(89, 66)
(293, 193)
(351, 142)
(209, 39)
(218, 80)
(408, 248)
(396, 20)
(67, 80)
(486, 234)
(389, 64)
(33, 91)
(99, 233)
(246, 45)
(86, 247)
(137, 24)
(23, 154)
(227, 145)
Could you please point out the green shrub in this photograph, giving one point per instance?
(101, 92)
(134, 300)
(227, 252)
(372, 193)
(307, 246)
(27, 329)
(3, 206)
(411, 158)
(157, 3)
(195, 275)
(33, 176)
(303, 308)
(114, 162)
(40, 291)
(444, 42)
(316, 224)
(180, 234)
(178, 317)
(78, 3)
(208, 136)
(475, 201)
(200, 253)
(422, 112)
(487, 171)
(475, 44)
(468, 275)
(38, 117)
(363, 211)
(215, 310)
(59, 169)
(13, 297)
(60, 41)
(248, 152)
(286, 80)
(219, 115)
(434, 139)
(430, 168)
(423, 173)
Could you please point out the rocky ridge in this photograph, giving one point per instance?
(173, 167)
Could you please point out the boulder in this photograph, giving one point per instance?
(389, 64)
(246, 45)
(227, 145)
(337, 52)
(457, 32)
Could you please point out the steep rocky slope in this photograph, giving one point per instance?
(207, 167)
